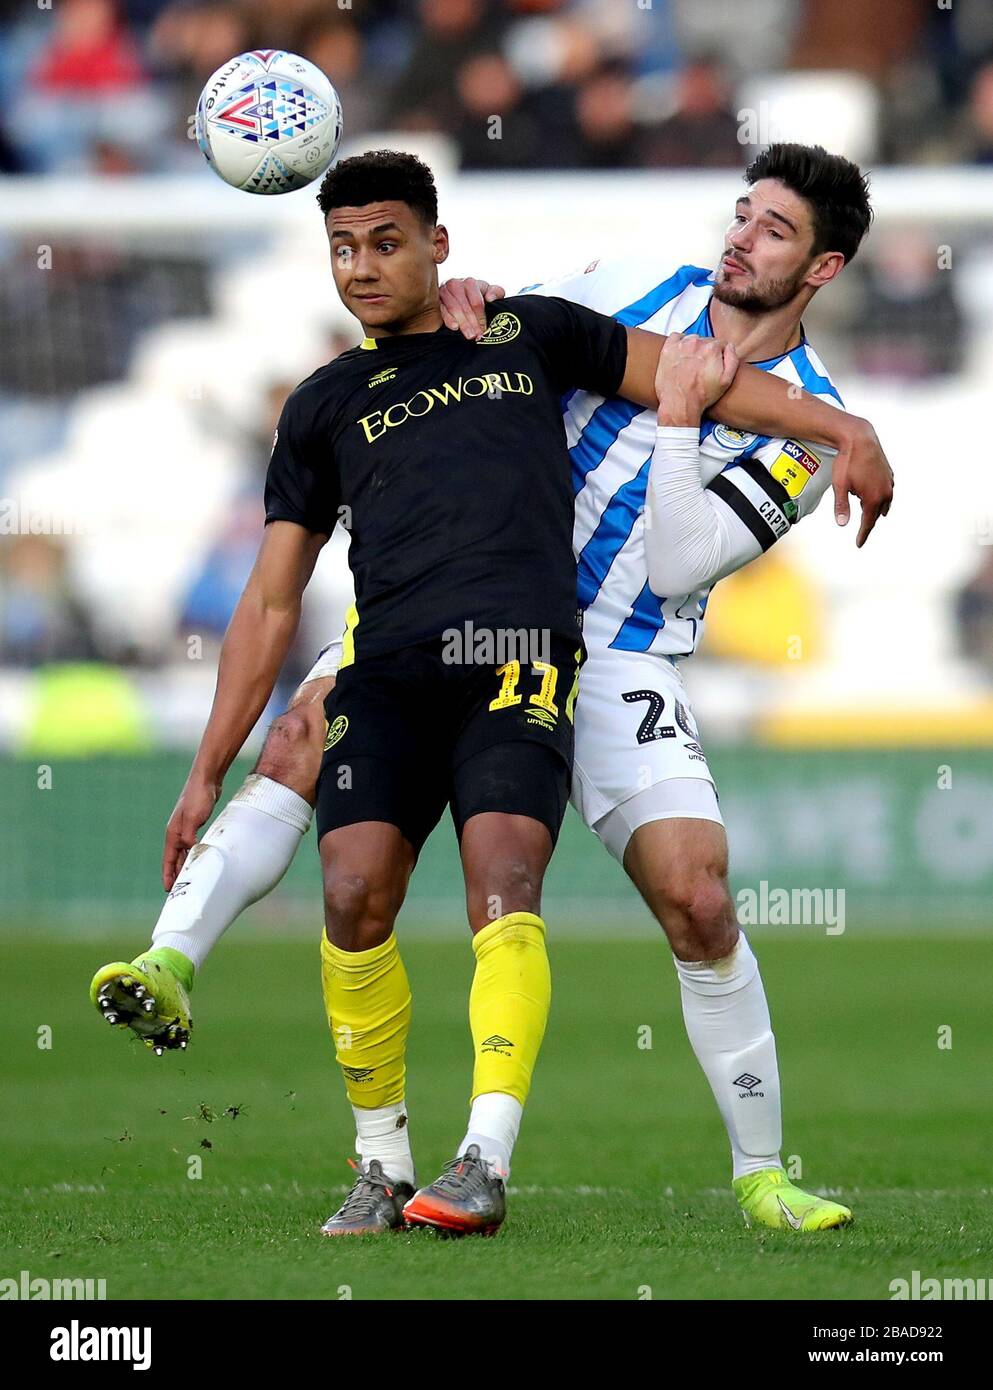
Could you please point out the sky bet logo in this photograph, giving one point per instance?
(492, 384)
(794, 467)
(801, 456)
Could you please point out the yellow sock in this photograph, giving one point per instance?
(508, 1004)
(367, 998)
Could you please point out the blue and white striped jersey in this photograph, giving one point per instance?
(611, 444)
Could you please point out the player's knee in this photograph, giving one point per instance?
(290, 740)
(358, 912)
(513, 885)
(696, 910)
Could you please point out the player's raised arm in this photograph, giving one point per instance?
(760, 403)
(696, 534)
(255, 645)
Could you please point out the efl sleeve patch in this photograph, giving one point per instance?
(794, 467)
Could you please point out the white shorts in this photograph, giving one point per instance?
(327, 663)
(636, 738)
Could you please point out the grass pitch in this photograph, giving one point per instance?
(620, 1185)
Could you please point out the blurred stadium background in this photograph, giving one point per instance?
(152, 322)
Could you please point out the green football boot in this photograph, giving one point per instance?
(151, 996)
(768, 1198)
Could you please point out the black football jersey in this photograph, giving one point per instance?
(446, 461)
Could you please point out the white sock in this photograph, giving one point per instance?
(494, 1122)
(242, 857)
(383, 1133)
(727, 1020)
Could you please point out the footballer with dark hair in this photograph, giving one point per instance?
(710, 501)
(446, 460)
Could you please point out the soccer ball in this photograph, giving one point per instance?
(268, 122)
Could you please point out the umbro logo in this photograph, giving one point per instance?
(495, 1043)
(380, 378)
(749, 1082)
(358, 1073)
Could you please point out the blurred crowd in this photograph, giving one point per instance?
(111, 85)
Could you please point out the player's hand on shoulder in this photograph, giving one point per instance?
(197, 800)
(862, 470)
(463, 305)
(692, 374)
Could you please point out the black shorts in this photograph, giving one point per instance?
(410, 732)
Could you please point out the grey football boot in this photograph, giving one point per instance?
(374, 1205)
(468, 1198)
